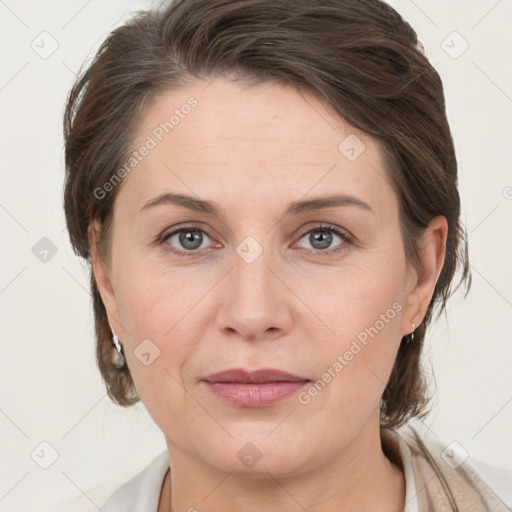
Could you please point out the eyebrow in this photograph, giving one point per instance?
(294, 208)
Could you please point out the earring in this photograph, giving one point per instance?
(411, 338)
(117, 355)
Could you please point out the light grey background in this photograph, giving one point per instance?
(51, 390)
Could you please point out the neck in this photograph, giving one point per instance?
(357, 479)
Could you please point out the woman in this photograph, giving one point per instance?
(267, 194)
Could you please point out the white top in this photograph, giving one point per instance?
(142, 492)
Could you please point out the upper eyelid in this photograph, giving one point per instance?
(311, 226)
(172, 231)
(339, 231)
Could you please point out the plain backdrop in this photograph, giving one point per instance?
(51, 391)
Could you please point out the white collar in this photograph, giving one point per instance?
(142, 492)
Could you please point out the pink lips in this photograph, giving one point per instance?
(259, 388)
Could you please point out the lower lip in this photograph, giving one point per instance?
(254, 395)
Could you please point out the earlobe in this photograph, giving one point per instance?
(431, 251)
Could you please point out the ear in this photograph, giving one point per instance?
(102, 276)
(422, 281)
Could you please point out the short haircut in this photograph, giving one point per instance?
(359, 57)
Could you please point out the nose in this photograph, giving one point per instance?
(256, 303)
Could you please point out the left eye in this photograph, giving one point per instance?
(321, 238)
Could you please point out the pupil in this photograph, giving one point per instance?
(190, 238)
(324, 237)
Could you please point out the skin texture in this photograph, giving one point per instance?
(252, 151)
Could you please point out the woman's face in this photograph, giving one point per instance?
(264, 282)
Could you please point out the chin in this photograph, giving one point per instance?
(258, 454)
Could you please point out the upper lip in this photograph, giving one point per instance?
(257, 376)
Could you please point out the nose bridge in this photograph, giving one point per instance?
(257, 303)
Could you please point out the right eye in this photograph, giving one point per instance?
(186, 240)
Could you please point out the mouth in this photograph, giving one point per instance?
(260, 388)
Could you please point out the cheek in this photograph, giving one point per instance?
(170, 309)
(351, 298)
(153, 299)
(360, 309)
(154, 309)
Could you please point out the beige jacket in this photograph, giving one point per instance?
(445, 480)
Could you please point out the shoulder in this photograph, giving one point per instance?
(497, 477)
(142, 492)
(447, 474)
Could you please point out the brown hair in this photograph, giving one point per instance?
(358, 56)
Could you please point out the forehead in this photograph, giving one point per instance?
(211, 135)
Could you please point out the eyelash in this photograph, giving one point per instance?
(347, 239)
